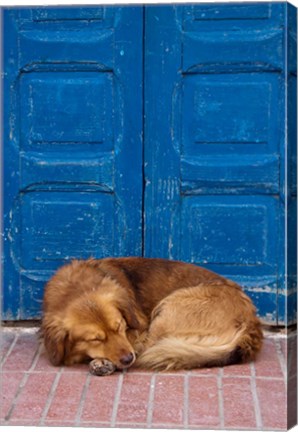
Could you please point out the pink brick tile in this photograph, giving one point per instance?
(136, 369)
(10, 383)
(272, 403)
(99, 401)
(238, 403)
(6, 340)
(134, 399)
(43, 364)
(33, 397)
(205, 371)
(21, 357)
(79, 367)
(237, 370)
(267, 363)
(168, 400)
(66, 400)
(203, 402)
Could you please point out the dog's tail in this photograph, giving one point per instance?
(172, 353)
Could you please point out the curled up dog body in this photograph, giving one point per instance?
(151, 313)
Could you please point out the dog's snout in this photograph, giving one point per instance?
(127, 359)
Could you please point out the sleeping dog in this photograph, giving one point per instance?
(154, 313)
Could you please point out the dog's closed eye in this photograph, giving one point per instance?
(120, 326)
(100, 337)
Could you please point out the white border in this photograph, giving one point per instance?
(28, 3)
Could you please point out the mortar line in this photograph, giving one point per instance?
(256, 402)
(117, 399)
(151, 401)
(220, 399)
(17, 395)
(12, 345)
(35, 358)
(23, 381)
(281, 358)
(33, 364)
(82, 400)
(50, 397)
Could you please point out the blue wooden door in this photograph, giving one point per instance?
(153, 130)
(72, 143)
(217, 162)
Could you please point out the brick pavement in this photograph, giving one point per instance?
(255, 396)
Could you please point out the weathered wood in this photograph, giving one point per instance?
(73, 142)
(164, 131)
(216, 146)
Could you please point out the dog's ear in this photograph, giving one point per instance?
(55, 337)
(128, 310)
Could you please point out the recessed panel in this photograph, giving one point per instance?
(66, 108)
(230, 109)
(58, 226)
(67, 169)
(232, 12)
(231, 17)
(231, 112)
(71, 18)
(67, 14)
(232, 37)
(230, 231)
(231, 131)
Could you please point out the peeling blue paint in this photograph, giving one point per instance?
(154, 130)
(73, 127)
(216, 122)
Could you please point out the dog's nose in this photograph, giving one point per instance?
(127, 359)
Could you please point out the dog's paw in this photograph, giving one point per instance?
(101, 367)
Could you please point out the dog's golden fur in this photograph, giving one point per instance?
(157, 313)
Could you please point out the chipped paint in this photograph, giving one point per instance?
(76, 128)
(76, 121)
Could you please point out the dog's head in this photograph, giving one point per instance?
(93, 325)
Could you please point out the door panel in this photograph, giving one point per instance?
(215, 142)
(233, 234)
(230, 141)
(73, 143)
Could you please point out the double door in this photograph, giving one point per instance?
(155, 131)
